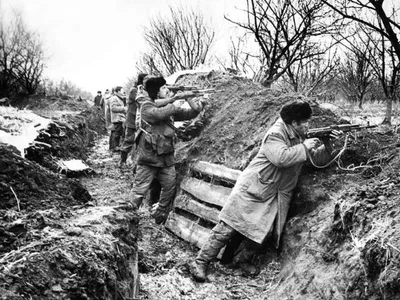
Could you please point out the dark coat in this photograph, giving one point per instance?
(97, 100)
(131, 112)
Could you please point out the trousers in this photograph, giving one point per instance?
(129, 139)
(220, 236)
(145, 175)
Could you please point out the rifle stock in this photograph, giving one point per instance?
(324, 132)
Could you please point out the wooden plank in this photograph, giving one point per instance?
(201, 210)
(187, 229)
(218, 171)
(213, 194)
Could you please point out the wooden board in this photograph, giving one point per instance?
(213, 194)
(187, 229)
(199, 209)
(218, 171)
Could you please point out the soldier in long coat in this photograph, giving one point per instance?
(260, 199)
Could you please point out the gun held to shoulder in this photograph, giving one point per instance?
(326, 131)
(180, 88)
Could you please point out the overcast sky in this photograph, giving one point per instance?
(95, 43)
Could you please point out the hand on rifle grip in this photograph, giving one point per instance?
(311, 143)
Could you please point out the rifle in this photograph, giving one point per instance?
(323, 133)
(176, 88)
(326, 131)
(193, 89)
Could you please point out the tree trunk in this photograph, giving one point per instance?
(388, 117)
(360, 103)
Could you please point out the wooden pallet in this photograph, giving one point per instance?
(199, 200)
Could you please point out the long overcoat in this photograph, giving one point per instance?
(260, 200)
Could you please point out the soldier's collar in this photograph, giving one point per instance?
(292, 133)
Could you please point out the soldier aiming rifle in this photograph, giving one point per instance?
(189, 89)
(324, 133)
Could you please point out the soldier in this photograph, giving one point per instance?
(156, 142)
(130, 122)
(97, 99)
(260, 200)
(107, 116)
(118, 116)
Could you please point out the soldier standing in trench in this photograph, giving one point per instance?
(97, 99)
(260, 200)
(118, 116)
(156, 142)
(130, 122)
(107, 116)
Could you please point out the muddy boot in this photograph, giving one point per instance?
(160, 216)
(248, 269)
(137, 202)
(124, 156)
(199, 271)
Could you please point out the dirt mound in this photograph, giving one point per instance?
(237, 117)
(68, 137)
(70, 254)
(31, 186)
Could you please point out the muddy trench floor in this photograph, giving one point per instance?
(164, 259)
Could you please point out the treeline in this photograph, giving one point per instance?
(62, 88)
(23, 60)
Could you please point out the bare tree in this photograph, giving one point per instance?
(287, 32)
(310, 75)
(386, 67)
(356, 74)
(10, 43)
(31, 63)
(241, 59)
(21, 57)
(181, 41)
(150, 63)
(380, 22)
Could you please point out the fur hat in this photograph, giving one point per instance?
(152, 85)
(296, 111)
(140, 78)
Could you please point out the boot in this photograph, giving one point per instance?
(124, 156)
(160, 216)
(249, 269)
(199, 271)
(137, 201)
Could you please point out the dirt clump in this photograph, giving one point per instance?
(30, 186)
